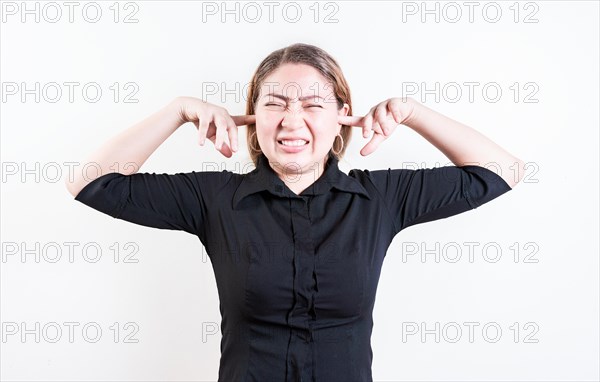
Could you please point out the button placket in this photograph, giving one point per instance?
(302, 313)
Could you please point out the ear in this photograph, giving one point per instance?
(343, 111)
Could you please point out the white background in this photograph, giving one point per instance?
(170, 295)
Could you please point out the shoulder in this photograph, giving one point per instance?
(375, 182)
(217, 181)
(375, 177)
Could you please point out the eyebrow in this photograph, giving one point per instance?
(287, 98)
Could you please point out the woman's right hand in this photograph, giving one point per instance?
(213, 122)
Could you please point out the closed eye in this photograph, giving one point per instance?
(275, 104)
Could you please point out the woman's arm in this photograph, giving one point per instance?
(462, 144)
(129, 149)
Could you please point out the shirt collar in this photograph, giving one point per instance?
(264, 178)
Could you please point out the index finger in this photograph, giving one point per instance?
(351, 120)
(242, 120)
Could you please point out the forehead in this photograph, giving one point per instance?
(296, 81)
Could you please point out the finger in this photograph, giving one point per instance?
(368, 124)
(388, 126)
(226, 150)
(202, 130)
(351, 120)
(377, 128)
(221, 132)
(393, 108)
(372, 145)
(233, 135)
(243, 120)
(381, 116)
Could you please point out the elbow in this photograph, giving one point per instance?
(72, 187)
(69, 187)
(515, 176)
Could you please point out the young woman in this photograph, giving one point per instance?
(296, 244)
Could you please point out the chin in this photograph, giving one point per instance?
(295, 161)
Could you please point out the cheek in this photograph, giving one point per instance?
(264, 121)
(326, 123)
(327, 116)
(265, 127)
(267, 118)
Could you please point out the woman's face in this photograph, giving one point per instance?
(296, 118)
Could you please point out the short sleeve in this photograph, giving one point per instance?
(165, 201)
(419, 196)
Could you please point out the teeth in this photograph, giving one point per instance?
(299, 142)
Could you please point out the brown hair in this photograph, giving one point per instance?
(299, 54)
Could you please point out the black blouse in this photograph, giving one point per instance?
(296, 274)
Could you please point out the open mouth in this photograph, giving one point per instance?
(295, 143)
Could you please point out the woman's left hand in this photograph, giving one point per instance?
(383, 119)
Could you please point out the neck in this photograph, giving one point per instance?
(298, 180)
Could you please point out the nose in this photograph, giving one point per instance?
(293, 118)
